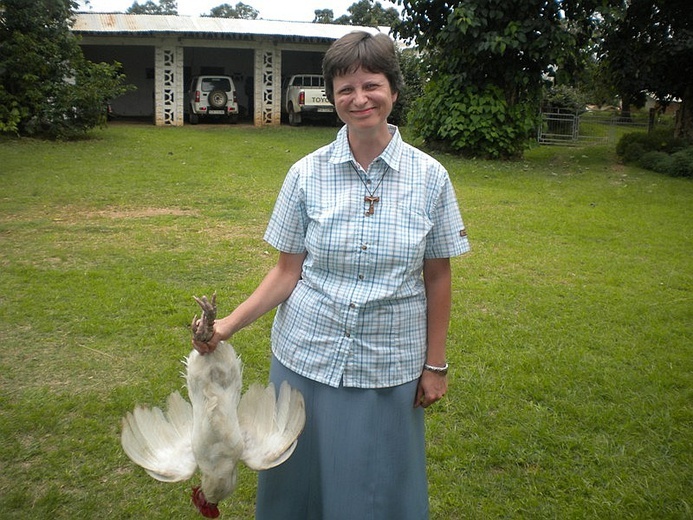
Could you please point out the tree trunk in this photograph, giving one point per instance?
(626, 100)
(683, 127)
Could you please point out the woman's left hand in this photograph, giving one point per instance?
(432, 387)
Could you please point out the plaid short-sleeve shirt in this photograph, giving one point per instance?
(358, 315)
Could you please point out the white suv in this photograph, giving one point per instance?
(212, 96)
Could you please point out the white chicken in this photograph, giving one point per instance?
(218, 429)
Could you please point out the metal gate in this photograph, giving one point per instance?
(564, 128)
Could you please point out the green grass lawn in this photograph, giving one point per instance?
(571, 389)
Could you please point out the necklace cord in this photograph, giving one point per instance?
(365, 184)
(371, 198)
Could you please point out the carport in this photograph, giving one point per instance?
(160, 53)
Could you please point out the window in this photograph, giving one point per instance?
(210, 84)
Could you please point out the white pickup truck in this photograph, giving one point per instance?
(304, 98)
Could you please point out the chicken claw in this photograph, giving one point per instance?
(203, 329)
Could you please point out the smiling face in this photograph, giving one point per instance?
(363, 99)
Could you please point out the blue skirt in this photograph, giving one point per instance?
(361, 456)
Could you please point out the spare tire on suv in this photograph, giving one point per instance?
(212, 97)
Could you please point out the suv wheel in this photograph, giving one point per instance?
(217, 99)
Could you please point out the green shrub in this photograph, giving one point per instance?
(565, 97)
(47, 87)
(413, 73)
(629, 142)
(658, 151)
(632, 151)
(682, 163)
(660, 140)
(472, 121)
(656, 161)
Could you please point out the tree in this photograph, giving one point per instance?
(488, 62)
(414, 74)
(324, 16)
(621, 58)
(595, 84)
(47, 87)
(367, 13)
(648, 48)
(240, 11)
(169, 7)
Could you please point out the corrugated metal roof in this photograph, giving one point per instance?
(117, 23)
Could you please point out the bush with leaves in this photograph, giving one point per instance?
(495, 54)
(413, 73)
(655, 161)
(47, 87)
(660, 140)
(658, 151)
(682, 163)
(471, 121)
(564, 98)
(679, 164)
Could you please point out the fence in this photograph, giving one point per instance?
(571, 129)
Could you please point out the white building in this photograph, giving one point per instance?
(160, 54)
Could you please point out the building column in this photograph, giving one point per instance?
(268, 88)
(168, 85)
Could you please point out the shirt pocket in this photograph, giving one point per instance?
(406, 241)
(331, 228)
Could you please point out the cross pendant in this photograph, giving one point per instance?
(371, 200)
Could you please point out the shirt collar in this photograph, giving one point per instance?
(341, 152)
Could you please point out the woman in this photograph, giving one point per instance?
(365, 229)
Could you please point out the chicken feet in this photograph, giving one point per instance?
(203, 329)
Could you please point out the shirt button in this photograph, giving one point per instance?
(352, 305)
(347, 334)
(364, 247)
(361, 277)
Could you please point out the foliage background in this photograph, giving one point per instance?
(47, 87)
(496, 56)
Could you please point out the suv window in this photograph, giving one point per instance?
(209, 84)
(308, 81)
